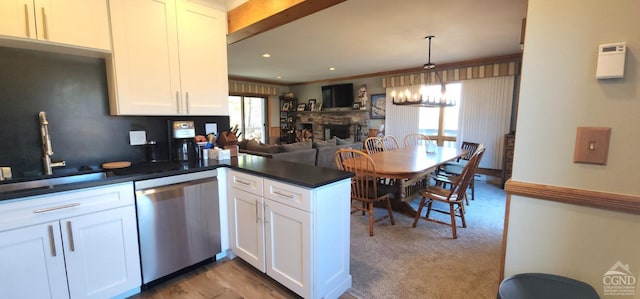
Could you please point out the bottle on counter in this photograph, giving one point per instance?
(152, 151)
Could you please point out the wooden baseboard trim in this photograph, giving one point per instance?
(595, 199)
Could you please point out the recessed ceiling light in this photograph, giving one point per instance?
(266, 55)
(332, 68)
(279, 77)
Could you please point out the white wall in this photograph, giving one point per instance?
(559, 92)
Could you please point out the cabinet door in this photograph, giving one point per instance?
(203, 59)
(288, 246)
(16, 18)
(247, 228)
(82, 23)
(101, 252)
(32, 263)
(144, 69)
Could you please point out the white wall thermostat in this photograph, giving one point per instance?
(611, 60)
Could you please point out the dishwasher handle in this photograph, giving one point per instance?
(164, 188)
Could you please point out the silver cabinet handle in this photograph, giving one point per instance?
(266, 212)
(242, 182)
(45, 24)
(283, 194)
(178, 101)
(257, 215)
(26, 17)
(72, 245)
(187, 101)
(75, 204)
(52, 242)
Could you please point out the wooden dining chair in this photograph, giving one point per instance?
(411, 140)
(461, 161)
(373, 145)
(443, 176)
(454, 197)
(364, 188)
(390, 143)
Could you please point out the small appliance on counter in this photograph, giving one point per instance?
(183, 147)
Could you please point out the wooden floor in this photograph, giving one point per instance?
(224, 279)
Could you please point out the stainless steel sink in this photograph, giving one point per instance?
(50, 182)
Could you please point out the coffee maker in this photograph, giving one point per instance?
(183, 141)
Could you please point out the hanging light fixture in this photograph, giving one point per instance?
(422, 98)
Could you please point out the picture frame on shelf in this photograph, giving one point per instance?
(317, 107)
(285, 106)
(356, 106)
(301, 107)
(378, 106)
(311, 105)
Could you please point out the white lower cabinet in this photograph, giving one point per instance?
(297, 236)
(72, 254)
(102, 253)
(248, 240)
(33, 262)
(288, 233)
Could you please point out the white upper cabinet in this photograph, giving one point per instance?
(169, 58)
(203, 59)
(145, 78)
(83, 23)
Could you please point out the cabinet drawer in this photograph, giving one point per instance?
(289, 195)
(44, 208)
(246, 182)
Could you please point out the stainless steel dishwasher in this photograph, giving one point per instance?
(178, 222)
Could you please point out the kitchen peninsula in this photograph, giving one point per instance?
(310, 200)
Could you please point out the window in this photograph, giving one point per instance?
(441, 124)
(249, 113)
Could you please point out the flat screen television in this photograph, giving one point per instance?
(339, 95)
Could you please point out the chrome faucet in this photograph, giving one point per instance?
(47, 150)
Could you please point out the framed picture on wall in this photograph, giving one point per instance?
(378, 105)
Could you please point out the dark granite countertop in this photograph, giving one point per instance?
(307, 176)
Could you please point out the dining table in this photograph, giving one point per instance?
(409, 170)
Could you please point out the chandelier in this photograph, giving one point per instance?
(424, 98)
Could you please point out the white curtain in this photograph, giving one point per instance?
(401, 120)
(485, 116)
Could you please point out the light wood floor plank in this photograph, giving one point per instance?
(225, 279)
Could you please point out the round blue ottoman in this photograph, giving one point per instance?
(544, 286)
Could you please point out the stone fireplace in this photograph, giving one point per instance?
(339, 123)
(340, 131)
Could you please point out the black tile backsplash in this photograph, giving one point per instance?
(73, 92)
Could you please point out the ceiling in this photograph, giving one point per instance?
(360, 37)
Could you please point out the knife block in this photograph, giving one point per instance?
(226, 139)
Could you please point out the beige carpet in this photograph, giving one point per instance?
(425, 262)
